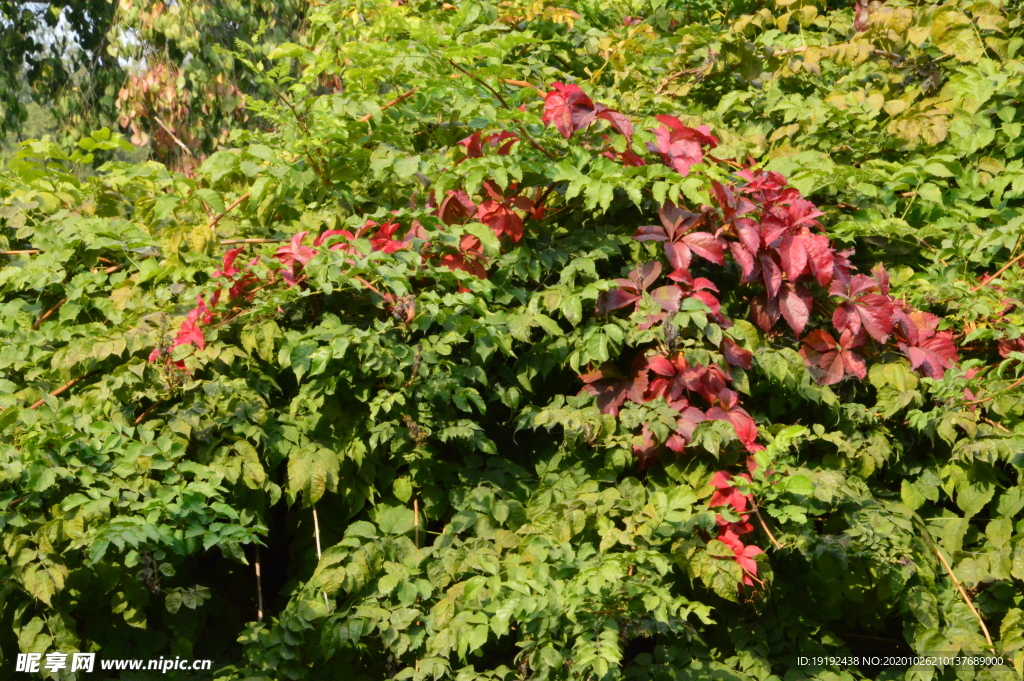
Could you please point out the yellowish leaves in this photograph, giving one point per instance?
(784, 132)
(925, 123)
(895, 19)
(120, 297)
(557, 15)
(894, 107)
(955, 34)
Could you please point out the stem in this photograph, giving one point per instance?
(259, 588)
(27, 251)
(520, 126)
(1009, 387)
(316, 535)
(416, 519)
(64, 387)
(48, 313)
(926, 535)
(213, 223)
(764, 526)
(229, 242)
(397, 100)
(998, 272)
(173, 136)
(150, 408)
(967, 599)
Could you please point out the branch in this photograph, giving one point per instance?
(998, 272)
(27, 251)
(397, 100)
(48, 313)
(1009, 387)
(229, 242)
(213, 223)
(764, 526)
(173, 136)
(64, 387)
(967, 599)
(146, 413)
(520, 126)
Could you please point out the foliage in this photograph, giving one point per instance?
(644, 341)
(156, 69)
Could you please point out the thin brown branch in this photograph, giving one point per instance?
(963, 594)
(27, 251)
(998, 272)
(259, 588)
(397, 100)
(416, 519)
(43, 317)
(147, 412)
(61, 389)
(316, 534)
(231, 242)
(520, 126)
(764, 526)
(1009, 387)
(172, 135)
(213, 223)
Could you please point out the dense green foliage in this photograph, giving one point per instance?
(481, 417)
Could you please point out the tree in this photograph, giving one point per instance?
(155, 69)
(557, 342)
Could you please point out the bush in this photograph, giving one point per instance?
(644, 340)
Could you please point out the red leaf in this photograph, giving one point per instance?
(819, 254)
(456, 208)
(678, 255)
(501, 219)
(614, 300)
(771, 273)
(568, 109)
(707, 246)
(618, 121)
(668, 297)
(743, 258)
(795, 305)
(932, 355)
(735, 355)
(793, 255)
(295, 252)
(228, 269)
(875, 311)
(764, 311)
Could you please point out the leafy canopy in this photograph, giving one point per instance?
(641, 340)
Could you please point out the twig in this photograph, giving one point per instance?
(997, 425)
(27, 251)
(316, 535)
(61, 389)
(146, 413)
(520, 126)
(49, 312)
(1009, 387)
(397, 100)
(213, 223)
(416, 519)
(230, 242)
(259, 588)
(998, 272)
(963, 594)
(173, 136)
(764, 526)
(927, 536)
